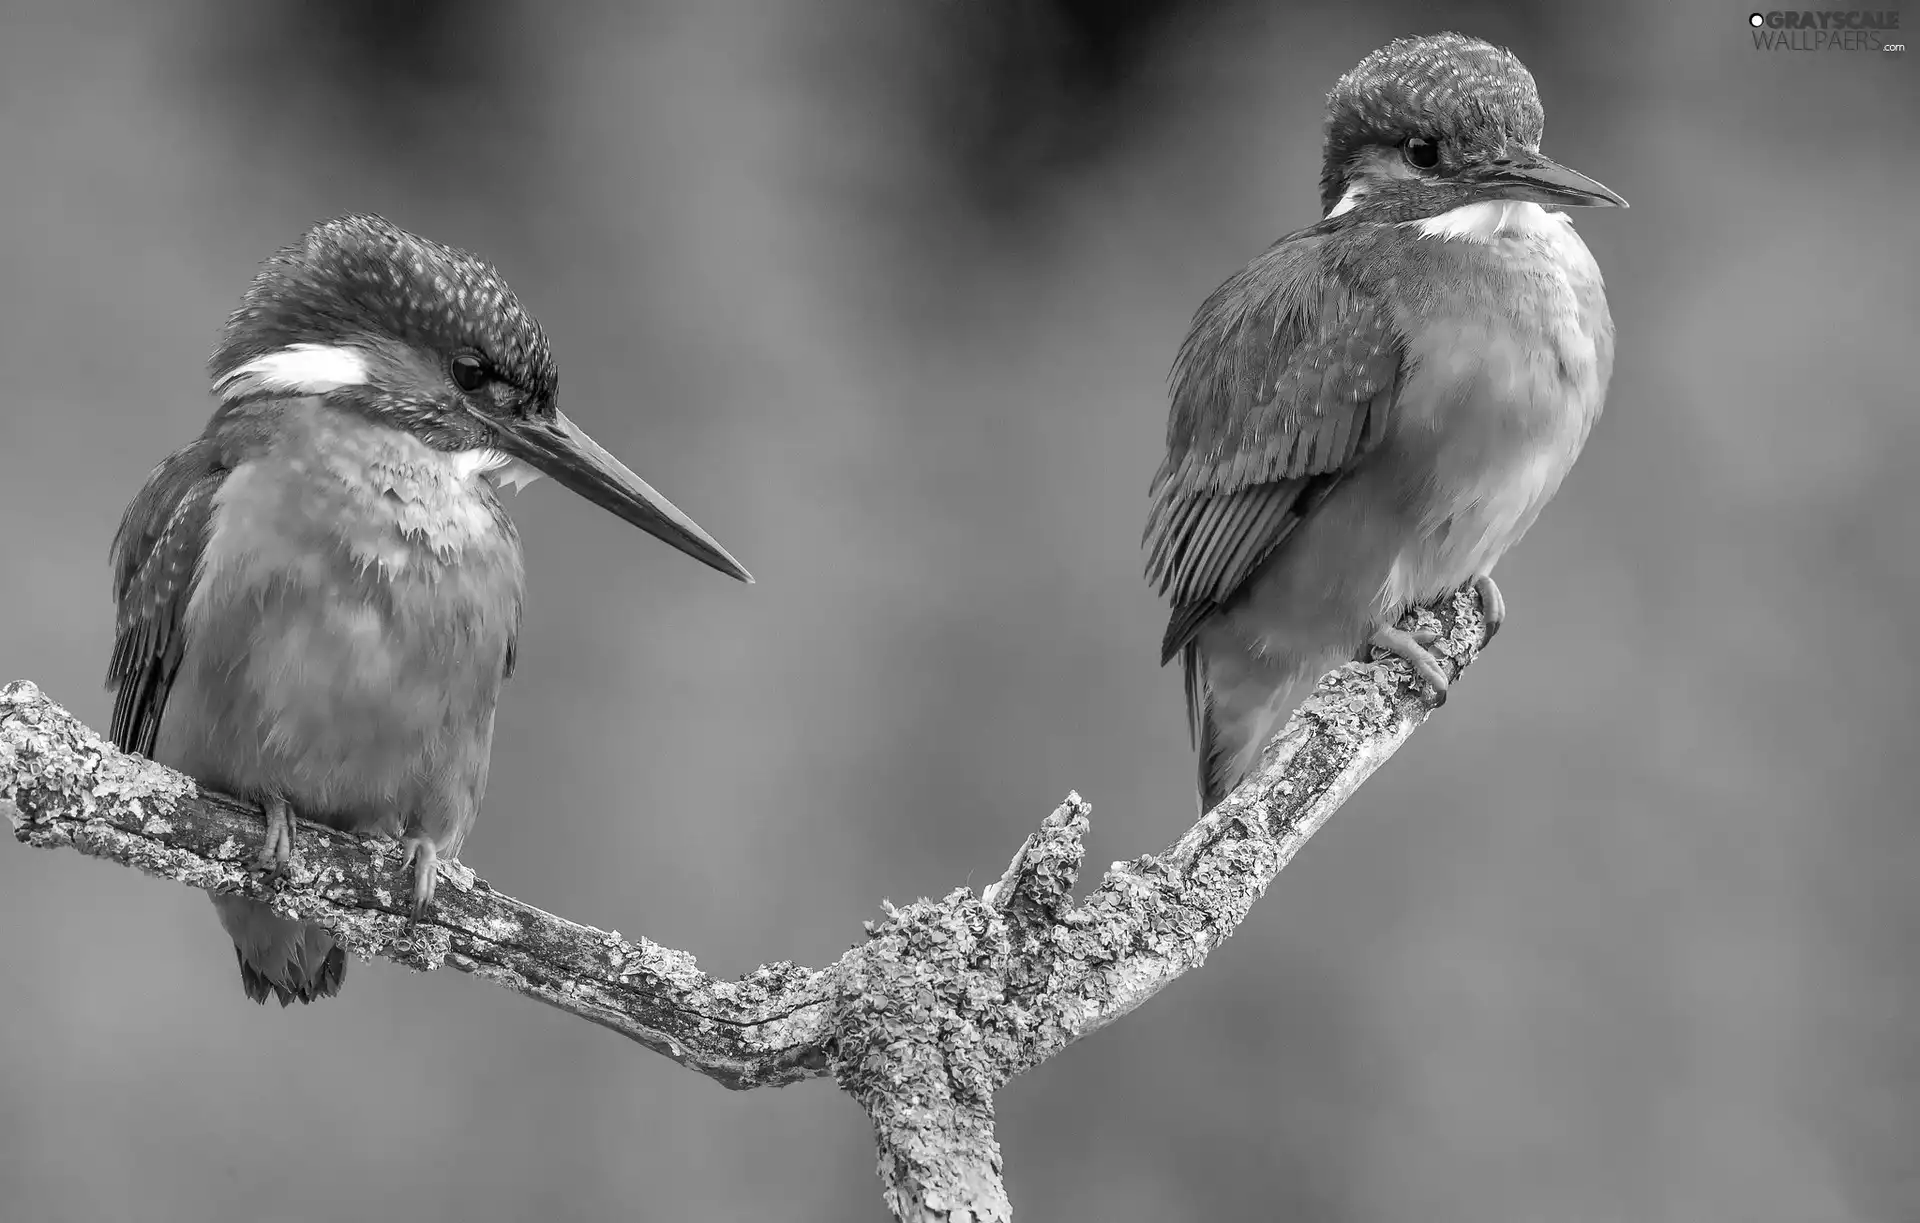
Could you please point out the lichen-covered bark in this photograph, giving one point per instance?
(1157, 917)
(62, 786)
(921, 1024)
(923, 1036)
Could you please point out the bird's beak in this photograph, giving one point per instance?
(1542, 180)
(559, 448)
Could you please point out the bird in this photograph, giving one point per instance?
(1375, 409)
(319, 598)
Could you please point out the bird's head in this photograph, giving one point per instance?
(427, 339)
(1427, 125)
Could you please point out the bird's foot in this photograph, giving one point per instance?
(423, 855)
(1412, 646)
(275, 858)
(1493, 604)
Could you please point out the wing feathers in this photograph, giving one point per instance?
(1285, 380)
(156, 558)
(1236, 534)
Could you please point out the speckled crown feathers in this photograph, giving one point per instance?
(1414, 86)
(363, 275)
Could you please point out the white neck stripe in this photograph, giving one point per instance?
(1355, 193)
(298, 369)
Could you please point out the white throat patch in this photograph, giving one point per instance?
(1487, 220)
(299, 369)
(499, 468)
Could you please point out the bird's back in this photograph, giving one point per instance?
(1495, 329)
(1379, 406)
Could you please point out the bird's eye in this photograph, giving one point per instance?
(1421, 153)
(469, 372)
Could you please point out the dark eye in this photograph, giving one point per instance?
(1420, 152)
(469, 372)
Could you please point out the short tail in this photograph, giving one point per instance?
(1200, 728)
(1236, 702)
(290, 960)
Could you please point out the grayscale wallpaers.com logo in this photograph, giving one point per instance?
(1827, 30)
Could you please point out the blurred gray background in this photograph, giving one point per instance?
(884, 294)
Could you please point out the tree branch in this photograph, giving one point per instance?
(921, 1024)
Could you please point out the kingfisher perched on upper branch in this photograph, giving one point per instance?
(1377, 408)
(319, 597)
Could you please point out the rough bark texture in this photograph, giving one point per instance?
(921, 1024)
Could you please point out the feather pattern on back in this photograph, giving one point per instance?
(156, 560)
(1377, 408)
(1287, 376)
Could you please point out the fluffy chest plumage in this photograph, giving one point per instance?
(349, 628)
(1510, 348)
(342, 504)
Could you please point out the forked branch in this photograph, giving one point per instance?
(921, 1023)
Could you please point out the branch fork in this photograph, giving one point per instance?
(921, 1023)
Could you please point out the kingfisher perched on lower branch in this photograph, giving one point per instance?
(1373, 411)
(319, 597)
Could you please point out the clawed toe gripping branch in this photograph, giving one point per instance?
(921, 1023)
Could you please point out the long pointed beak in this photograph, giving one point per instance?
(1542, 180)
(559, 448)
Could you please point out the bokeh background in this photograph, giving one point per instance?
(884, 294)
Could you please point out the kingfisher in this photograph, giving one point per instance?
(319, 597)
(1374, 410)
